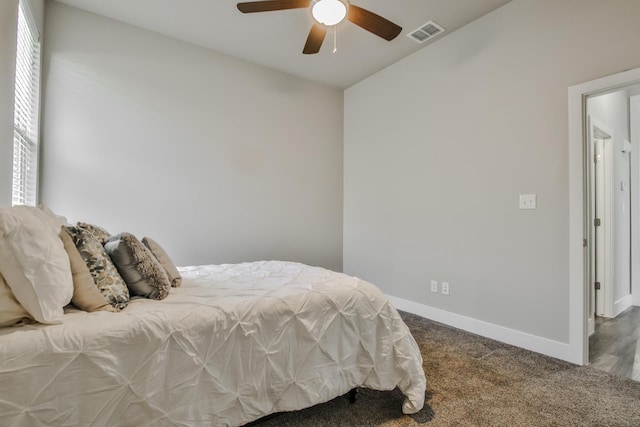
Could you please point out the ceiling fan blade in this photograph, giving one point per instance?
(315, 39)
(373, 23)
(269, 5)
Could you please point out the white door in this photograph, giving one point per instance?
(602, 203)
(602, 232)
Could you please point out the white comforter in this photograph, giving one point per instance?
(234, 343)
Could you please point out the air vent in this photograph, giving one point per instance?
(426, 32)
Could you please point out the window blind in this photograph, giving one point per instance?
(27, 101)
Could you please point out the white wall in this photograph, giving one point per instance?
(612, 110)
(8, 34)
(218, 159)
(439, 145)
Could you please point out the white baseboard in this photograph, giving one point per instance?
(622, 304)
(524, 340)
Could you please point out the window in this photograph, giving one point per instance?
(27, 102)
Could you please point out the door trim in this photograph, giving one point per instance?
(634, 130)
(579, 264)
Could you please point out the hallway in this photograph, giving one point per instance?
(615, 345)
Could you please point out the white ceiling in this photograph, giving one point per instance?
(275, 39)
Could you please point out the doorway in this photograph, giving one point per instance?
(581, 230)
(601, 218)
(613, 325)
(610, 206)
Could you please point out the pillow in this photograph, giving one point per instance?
(11, 312)
(86, 295)
(142, 272)
(165, 261)
(100, 233)
(104, 273)
(59, 220)
(34, 263)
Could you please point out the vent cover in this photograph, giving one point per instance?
(426, 32)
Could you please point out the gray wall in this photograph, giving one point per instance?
(218, 159)
(439, 145)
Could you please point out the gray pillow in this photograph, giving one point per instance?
(104, 273)
(140, 269)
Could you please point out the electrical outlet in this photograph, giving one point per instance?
(528, 201)
(434, 286)
(445, 288)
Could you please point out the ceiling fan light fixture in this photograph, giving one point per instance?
(329, 12)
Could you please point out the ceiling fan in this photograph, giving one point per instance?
(327, 13)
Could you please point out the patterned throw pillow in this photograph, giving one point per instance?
(142, 272)
(104, 273)
(86, 295)
(100, 233)
(163, 258)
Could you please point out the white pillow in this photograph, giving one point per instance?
(11, 312)
(34, 263)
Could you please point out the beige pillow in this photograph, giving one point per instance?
(34, 263)
(11, 312)
(163, 258)
(86, 294)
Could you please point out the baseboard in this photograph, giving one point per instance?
(622, 304)
(591, 325)
(524, 340)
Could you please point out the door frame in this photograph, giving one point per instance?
(579, 234)
(634, 136)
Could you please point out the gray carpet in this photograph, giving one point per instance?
(474, 381)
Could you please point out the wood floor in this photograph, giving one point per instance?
(615, 345)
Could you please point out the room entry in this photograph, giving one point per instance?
(609, 99)
(611, 223)
(602, 236)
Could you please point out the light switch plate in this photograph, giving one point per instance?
(527, 201)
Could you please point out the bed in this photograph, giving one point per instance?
(234, 343)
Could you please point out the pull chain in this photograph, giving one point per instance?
(335, 38)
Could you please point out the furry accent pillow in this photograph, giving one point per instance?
(100, 233)
(104, 273)
(140, 269)
(163, 258)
